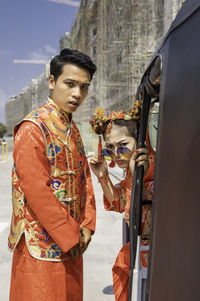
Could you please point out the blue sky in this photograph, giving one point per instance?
(29, 29)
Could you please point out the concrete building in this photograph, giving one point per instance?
(42, 89)
(29, 99)
(18, 106)
(120, 36)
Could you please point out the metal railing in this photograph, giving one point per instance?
(4, 151)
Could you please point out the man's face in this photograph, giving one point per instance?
(71, 87)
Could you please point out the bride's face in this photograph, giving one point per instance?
(121, 144)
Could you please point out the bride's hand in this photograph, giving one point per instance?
(99, 167)
(140, 157)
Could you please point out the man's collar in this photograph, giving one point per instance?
(67, 117)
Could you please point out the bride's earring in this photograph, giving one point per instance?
(112, 164)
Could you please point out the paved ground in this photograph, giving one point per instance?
(100, 255)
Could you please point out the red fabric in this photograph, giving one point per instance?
(121, 274)
(34, 279)
(121, 271)
(150, 172)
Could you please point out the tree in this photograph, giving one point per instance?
(3, 130)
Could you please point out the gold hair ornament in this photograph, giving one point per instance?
(99, 114)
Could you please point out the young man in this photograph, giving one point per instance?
(53, 201)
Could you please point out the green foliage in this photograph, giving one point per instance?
(3, 130)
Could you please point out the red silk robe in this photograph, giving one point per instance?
(39, 276)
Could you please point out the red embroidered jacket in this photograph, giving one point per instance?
(52, 188)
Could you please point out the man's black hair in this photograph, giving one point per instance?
(73, 57)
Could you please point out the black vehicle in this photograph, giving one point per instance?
(173, 272)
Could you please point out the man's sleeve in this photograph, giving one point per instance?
(89, 221)
(33, 171)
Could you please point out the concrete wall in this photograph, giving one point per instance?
(170, 10)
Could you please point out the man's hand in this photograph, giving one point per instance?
(75, 251)
(85, 238)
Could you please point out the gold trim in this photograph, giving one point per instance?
(65, 143)
(45, 140)
(41, 258)
(68, 172)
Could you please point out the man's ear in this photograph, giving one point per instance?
(51, 82)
